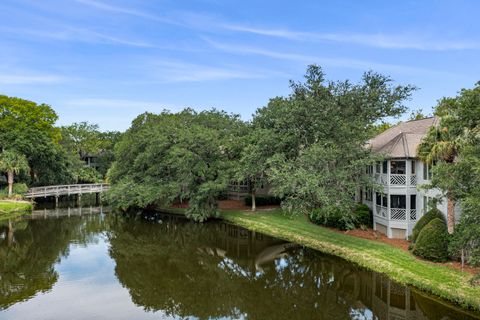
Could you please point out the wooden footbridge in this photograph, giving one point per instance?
(66, 190)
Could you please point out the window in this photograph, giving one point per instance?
(413, 167)
(378, 199)
(385, 166)
(427, 171)
(379, 167)
(381, 199)
(413, 201)
(368, 194)
(369, 169)
(398, 167)
(398, 201)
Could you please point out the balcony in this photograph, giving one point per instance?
(396, 179)
(395, 214)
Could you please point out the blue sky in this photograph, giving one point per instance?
(107, 61)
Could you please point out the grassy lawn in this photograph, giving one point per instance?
(399, 265)
(8, 207)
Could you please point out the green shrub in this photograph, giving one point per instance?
(363, 216)
(429, 216)
(263, 201)
(432, 242)
(18, 191)
(332, 216)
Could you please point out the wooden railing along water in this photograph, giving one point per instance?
(66, 190)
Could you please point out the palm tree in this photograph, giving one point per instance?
(12, 163)
(442, 145)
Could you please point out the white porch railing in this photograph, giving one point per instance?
(413, 214)
(398, 179)
(413, 180)
(381, 211)
(381, 178)
(398, 214)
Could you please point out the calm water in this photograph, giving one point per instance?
(60, 265)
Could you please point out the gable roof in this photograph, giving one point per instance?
(402, 140)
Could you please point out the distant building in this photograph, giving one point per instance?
(239, 190)
(91, 160)
(397, 208)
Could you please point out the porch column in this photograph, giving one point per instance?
(408, 171)
(408, 208)
(388, 174)
(389, 229)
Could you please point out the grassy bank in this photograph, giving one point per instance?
(9, 208)
(401, 266)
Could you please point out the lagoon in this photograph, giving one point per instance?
(88, 263)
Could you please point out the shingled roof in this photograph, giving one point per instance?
(402, 140)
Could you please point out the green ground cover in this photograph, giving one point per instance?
(9, 208)
(399, 265)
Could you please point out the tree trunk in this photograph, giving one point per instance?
(10, 183)
(450, 215)
(254, 205)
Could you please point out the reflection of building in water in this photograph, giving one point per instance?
(322, 286)
(389, 300)
(393, 301)
(364, 289)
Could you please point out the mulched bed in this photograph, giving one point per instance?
(230, 205)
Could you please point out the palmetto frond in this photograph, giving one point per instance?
(438, 145)
(12, 161)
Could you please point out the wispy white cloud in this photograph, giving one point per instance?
(106, 103)
(21, 78)
(379, 40)
(324, 61)
(123, 10)
(65, 33)
(279, 33)
(175, 71)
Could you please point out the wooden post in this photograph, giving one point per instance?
(56, 201)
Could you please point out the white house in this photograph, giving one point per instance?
(402, 202)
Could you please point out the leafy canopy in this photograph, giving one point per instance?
(29, 128)
(321, 129)
(455, 148)
(174, 157)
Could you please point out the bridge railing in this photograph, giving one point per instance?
(66, 190)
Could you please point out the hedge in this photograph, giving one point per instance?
(363, 216)
(429, 216)
(432, 242)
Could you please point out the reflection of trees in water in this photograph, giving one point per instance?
(207, 270)
(29, 250)
(212, 271)
(218, 270)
